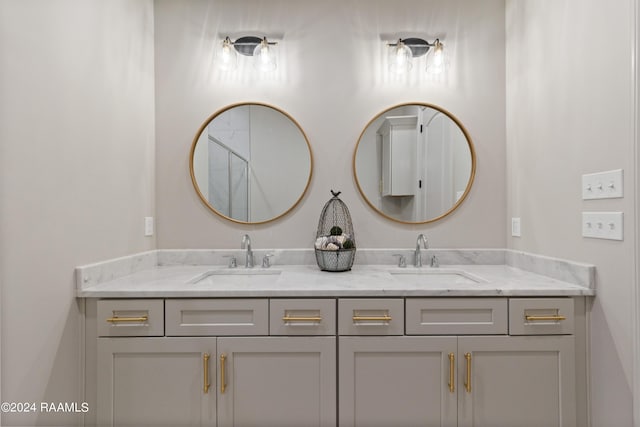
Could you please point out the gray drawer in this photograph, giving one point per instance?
(302, 317)
(130, 318)
(371, 316)
(213, 317)
(457, 316)
(541, 316)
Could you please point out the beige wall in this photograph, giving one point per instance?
(331, 80)
(570, 111)
(78, 166)
(76, 177)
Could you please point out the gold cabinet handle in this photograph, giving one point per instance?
(452, 370)
(385, 318)
(467, 383)
(205, 362)
(290, 319)
(534, 318)
(116, 319)
(223, 373)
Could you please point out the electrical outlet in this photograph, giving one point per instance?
(515, 227)
(148, 226)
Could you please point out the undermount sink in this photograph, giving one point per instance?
(434, 276)
(239, 275)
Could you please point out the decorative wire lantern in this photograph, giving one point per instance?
(335, 240)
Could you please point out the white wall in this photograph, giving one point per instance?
(331, 79)
(570, 111)
(76, 177)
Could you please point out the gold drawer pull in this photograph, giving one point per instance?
(452, 370)
(116, 319)
(385, 318)
(223, 373)
(534, 318)
(467, 383)
(302, 319)
(205, 362)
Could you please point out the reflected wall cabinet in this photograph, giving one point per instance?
(399, 148)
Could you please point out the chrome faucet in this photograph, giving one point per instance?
(246, 244)
(418, 254)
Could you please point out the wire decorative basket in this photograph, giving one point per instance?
(335, 245)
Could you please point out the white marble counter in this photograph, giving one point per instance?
(161, 274)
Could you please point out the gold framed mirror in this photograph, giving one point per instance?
(250, 163)
(414, 163)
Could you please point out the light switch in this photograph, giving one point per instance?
(602, 185)
(603, 225)
(515, 227)
(148, 226)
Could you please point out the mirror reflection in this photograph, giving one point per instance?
(250, 163)
(414, 163)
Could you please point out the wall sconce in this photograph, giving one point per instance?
(260, 48)
(402, 52)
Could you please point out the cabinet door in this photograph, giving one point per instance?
(397, 381)
(155, 382)
(516, 381)
(276, 381)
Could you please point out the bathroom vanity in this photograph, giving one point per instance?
(460, 345)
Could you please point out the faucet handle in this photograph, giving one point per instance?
(233, 262)
(266, 263)
(434, 261)
(402, 260)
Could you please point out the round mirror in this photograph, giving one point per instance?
(414, 163)
(251, 163)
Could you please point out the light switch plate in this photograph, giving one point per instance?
(603, 225)
(602, 185)
(148, 226)
(515, 227)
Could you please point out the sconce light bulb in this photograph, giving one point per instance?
(436, 61)
(400, 58)
(266, 60)
(438, 55)
(227, 56)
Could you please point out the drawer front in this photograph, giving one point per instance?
(131, 318)
(211, 317)
(541, 316)
(302, 317)
(371, 316)
(457, 316)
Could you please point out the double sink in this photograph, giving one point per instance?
(406, 276)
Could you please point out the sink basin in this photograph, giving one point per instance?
(239, 276)
(434, 276)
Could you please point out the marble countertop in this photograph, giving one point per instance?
(176, 280)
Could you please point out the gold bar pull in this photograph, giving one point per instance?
(205, 362)
(534, 318)
(467, 383)
(452, 370)
(223, 374)
(385, 318)
(116, 319)
(288, 319)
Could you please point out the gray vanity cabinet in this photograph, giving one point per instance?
(154, 381)
(355, 362)
(512, 381)
(277, 381)
(239, 377)
(396, 381)
(461, 376)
